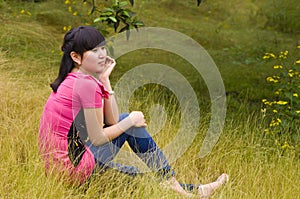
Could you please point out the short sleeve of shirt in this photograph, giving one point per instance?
(89, 91)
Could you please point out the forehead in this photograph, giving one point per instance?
(100, 45)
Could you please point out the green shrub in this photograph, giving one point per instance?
(282, 15)
(282, 109)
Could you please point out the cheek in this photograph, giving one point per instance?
(103, 53)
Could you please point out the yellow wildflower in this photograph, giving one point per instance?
(269, 55)
(69, 9)
(295, 95)
(263, 110)
(298, 111)
(276, 92)
(67, 2)
(266, 57)
(275, 122)
(22, 11)
(270, 79)
(67, 28)
(282, 102)
(277, 66)
(275, 111)
(298, 61)
(285, 145)
(75, 13)
(267, 131)
(278, 120)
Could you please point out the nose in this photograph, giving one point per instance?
(103, 53)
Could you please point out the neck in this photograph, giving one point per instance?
(81, 70)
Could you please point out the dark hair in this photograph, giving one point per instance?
(79, 40)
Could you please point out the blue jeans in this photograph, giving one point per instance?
(141, 142)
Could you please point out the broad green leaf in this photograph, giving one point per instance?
(123, 3)
(113, 19)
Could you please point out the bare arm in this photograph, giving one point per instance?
(111, 111)
(99, 135)
(110, 105)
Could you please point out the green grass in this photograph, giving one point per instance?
(29, 59)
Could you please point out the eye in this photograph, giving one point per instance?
(95, 50)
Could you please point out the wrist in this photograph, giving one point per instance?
(111, 92)
(125, 124)
(104, 80)
(106, 85)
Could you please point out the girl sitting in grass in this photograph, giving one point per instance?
(81, 128)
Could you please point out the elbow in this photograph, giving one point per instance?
(112, 121)
(97, 141)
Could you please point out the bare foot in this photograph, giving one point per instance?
(174, 185)
(206, 190)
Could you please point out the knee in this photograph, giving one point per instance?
(123, 116)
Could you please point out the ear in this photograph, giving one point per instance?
(75, 57)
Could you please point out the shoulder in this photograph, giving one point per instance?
(87, 83)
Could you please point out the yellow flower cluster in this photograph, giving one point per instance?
(67, 28)
(292, 73)
(280, 102)
(275, 122)
(23, 12)
(283, 55)
(274, 79)
(266, 102)
(269, 55)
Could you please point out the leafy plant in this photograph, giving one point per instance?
(282, 110)
(118, 16)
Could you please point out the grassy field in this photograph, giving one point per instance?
(236, 34)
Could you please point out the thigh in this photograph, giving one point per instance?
(106, 152)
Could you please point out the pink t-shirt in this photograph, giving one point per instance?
(77, 91)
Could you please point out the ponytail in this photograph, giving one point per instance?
(66, 67)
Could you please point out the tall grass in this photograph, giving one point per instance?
(256, 171)
(29, 58)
